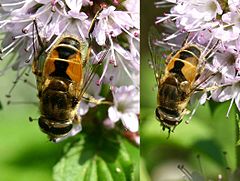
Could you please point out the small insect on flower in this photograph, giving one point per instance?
(177, 78)
(63, 74)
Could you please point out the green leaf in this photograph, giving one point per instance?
(96, 157)
(238, 127)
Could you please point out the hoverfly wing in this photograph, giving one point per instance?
(157, 61)
(91, 68)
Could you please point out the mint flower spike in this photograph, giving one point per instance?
(208, 22)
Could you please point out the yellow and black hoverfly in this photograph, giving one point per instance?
(63, 74)
(177, 78)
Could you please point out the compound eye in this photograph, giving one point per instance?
(157, 113)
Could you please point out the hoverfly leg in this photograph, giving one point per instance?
(212, 88)
(37, 32)
(77, 119)
(93, 23)
(210, 53)
(91, 99)
(169, 132)
(35, 69)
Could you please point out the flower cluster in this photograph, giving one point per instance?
(208, 22)
(117, 29)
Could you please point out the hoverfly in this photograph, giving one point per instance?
(63, 75)
(177, 78)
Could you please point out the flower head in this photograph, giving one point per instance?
(211, 25)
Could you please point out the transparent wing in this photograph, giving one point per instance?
(91, 68)
(157, 61)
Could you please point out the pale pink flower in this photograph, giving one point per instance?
(126, 107)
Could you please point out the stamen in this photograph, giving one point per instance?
(113, 58)
(80, 32)
(23, 35)
(166, 17)
(7, 47)
(13, 47)
(207, 47)
(30, 57)
(104, 70)
(174, 35)
(125, 30)
(193, 38)
(4, 23)
(25, 30)
(230, 107)
(161, 43)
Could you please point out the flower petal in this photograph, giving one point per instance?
(83, 108)
(74, 5)
(130, 121)
(113, 114)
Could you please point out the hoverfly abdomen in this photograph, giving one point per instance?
(169, 93)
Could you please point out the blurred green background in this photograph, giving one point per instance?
(208, 135)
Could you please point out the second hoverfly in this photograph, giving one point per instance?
(63, 75)
(177, 79)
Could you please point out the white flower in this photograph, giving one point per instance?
(230, 29)
(133, 6)
(126, 107)
(234, 5)
(194, 15)
(111, 23)
(120, 67)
